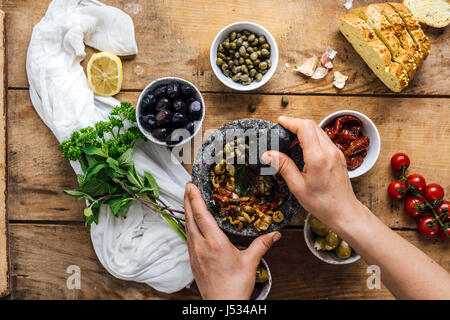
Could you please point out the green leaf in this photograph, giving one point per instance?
(241, 178)
(113, 163)
(80, 179)
(93, 170)
(88, 212)
(151, 183)
(117, 204)
(177, 226)
(126, 159)
(91, 150)
(79, 195)
(96, 187)
(133, 177)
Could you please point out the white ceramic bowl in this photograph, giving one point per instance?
(152, 86)
(368, 129)
(239, 26)
(326, 256)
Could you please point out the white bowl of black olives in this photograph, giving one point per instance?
(170, 111)
(244, 56)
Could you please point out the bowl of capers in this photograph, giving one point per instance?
(326, 244)
(244, 56)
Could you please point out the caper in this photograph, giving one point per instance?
(227, 72)
(221, 48)
(242, 50)
(250, 50)
(265, 53)
(244, 68)
(235, 78)
(251, 37)
(254, 56)
(226, 45)
(224, 67)
(264, 72)
(230, 63)
(233, 45)
(254, 43)
(262, 65)
(219, 61)
(239, 42)
(250, 66)
(233, 36)
(265, 46)
(239, 35)
(244, 77)
(252, 107)
(343, 251)
(318, 227)
(252, 72)
(236, 62)
(284, 101)
(248, 61)
(269, 63)
(228, 59)
(222, 56)
(241, 60)
(236, 69)
(245, 44)
(259, 77)
(262, 39)
(261, 275)
(237, 55)
(246, 32)
(331, 241)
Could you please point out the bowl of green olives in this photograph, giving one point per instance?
(244, 56)
(170, 111)
(327, 245)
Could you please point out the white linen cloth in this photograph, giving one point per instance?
(143, 247)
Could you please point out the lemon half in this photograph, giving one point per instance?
(104, 73)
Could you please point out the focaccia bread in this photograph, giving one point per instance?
(434, 13)
(389, 39)
(374, 52)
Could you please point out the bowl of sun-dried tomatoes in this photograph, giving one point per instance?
(356, 136)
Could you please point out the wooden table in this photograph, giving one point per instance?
(47, 233)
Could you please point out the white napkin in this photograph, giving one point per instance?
(143, 247)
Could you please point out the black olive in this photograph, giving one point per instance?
(179, 106)
(160, 92)
(190, 126)
(160, 133)
(163, 117)
(187, 90)
(148, 102)
(148, 121)
(195, 110)
(178, 119)
(173, 90)
(163, 103)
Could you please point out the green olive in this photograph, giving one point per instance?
(343, 251)
(318, 227)
(319, 244)
(331, 241)
(261, 275)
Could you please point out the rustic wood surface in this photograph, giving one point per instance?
(46, 228)
(4, 250)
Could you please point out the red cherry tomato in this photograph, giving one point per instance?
(399, 162)
(432, 192)
(444, 206)
(397, 190)
(414, 206)
(417, 181)
(427, 227)
(442, 233)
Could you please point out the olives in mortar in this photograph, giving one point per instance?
(170, 107)
(244, 57)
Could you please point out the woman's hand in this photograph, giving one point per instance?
(220, 269)
(323, 188)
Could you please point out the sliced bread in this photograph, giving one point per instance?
(374, 52)
(434, 13)
(385, 32)
(413, 26)
(400, 31)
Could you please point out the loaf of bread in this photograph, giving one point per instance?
(434, 13)
(390, 41)
(374, 52)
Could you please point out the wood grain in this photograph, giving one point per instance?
(38, 174)
(174, 39)
(42, 253)
(4, 251)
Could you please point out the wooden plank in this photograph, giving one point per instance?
(38, 174)
(41, 254)
(174, 39)
(4, 250)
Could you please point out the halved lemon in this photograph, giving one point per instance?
(104, 73)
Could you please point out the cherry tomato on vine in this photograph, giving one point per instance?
(442, 233)
(397, 190)
(399, 162)
(428, 227)
(433, 192)
(444, 206)
(414, 206)
(417, 181)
